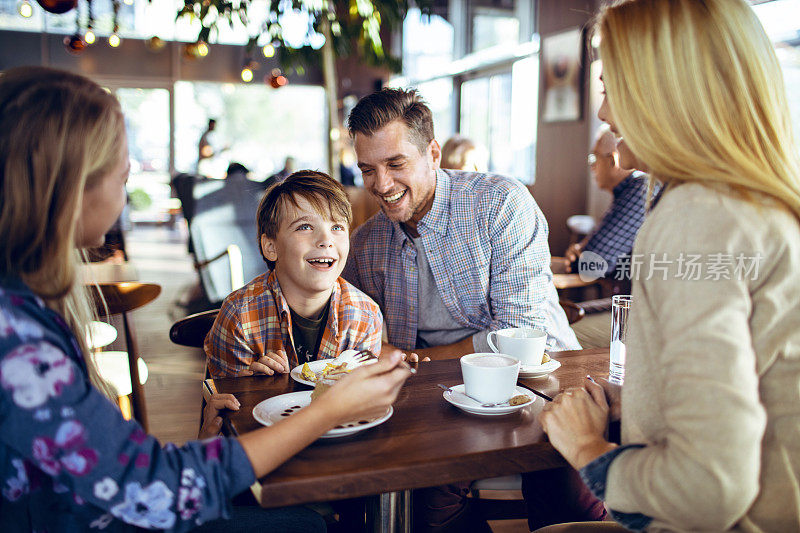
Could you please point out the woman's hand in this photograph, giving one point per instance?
(367, 391)
(613, 395)
(576, 421)
(212, 422)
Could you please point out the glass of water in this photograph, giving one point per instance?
(620, 306)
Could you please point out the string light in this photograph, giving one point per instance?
(202, 49)
(89, 36)
(25, 9)
(114, 40)
(247, 75)
(268, 50)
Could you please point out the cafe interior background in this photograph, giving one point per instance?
(482, 66)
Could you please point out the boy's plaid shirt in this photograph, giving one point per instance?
(486, 241)
(256, 319)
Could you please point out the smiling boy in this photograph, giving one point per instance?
(301, 309)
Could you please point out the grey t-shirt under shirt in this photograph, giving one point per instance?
(436, 326)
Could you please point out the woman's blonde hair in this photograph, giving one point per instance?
(696, 90)
(60, 134)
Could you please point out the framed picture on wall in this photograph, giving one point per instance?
(561, 61)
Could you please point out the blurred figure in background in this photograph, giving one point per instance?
(289, 166)
(462, 153)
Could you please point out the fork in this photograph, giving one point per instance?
(354, 358)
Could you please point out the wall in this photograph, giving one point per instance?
(561, 170)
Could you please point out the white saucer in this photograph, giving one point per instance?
(467, 404)
(535, 371)
(279, 407)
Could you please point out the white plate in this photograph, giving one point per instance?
(467, 404)
(534, 371)
(315, 366)
(282, 406)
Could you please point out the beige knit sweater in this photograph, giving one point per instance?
(712, 382)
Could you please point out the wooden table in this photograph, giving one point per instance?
(107, 272)
(571, 281)
(427, 442)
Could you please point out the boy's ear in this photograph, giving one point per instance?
(268, 248)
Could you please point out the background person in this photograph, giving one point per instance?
(461, 153)
(710, 408)
(69, 461)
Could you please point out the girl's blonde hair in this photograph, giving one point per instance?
(60, 134)
(696, 90)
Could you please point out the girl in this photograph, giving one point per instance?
(68, 460)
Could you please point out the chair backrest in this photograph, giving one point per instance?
(573, 311)
(192, 330)
(122, 297)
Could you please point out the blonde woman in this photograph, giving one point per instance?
(710, 408)
(68, 460)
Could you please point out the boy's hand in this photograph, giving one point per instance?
(270, 363)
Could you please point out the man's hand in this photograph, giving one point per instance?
(571, 255)
(268, 364)
(212, 422)
(388, 350)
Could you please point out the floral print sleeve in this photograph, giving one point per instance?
(70, 462)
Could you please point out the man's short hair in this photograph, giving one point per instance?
(325, 194)
(375, 111)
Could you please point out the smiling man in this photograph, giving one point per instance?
(453, 255)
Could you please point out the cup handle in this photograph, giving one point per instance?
(491, 344)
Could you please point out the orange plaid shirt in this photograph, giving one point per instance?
(256, 319)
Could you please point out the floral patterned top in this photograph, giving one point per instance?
(70, 462)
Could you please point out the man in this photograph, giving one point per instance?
(613, 238)
(451, 256)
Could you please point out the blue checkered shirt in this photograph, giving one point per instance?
(486, 243)
(614, 237)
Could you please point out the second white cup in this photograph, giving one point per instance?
(524, 344)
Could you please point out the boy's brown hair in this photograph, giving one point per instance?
(324, 193)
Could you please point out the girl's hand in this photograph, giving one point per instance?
(367, 391)
(212, 422)
(576, 421)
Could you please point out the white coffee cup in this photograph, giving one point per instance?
(489, 377)
(524, 344)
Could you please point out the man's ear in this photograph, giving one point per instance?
(268, 248)
(436, 153)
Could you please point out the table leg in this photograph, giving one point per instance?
(390, 512)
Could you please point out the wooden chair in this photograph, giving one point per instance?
(574, 311)
(120, 299)
(192, 330)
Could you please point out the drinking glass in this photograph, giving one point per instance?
(620, 306)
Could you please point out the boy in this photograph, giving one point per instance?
(300, 310)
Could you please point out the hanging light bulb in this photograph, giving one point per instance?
(155, 43)
(58, 6)
(202, 49)
(128, 2)
(268, 50)
(74, 44)
(114, 40)
(89, 36)
(247, 75)
(25, 9)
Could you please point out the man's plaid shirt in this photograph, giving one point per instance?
(486, 242)
(256, 319)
